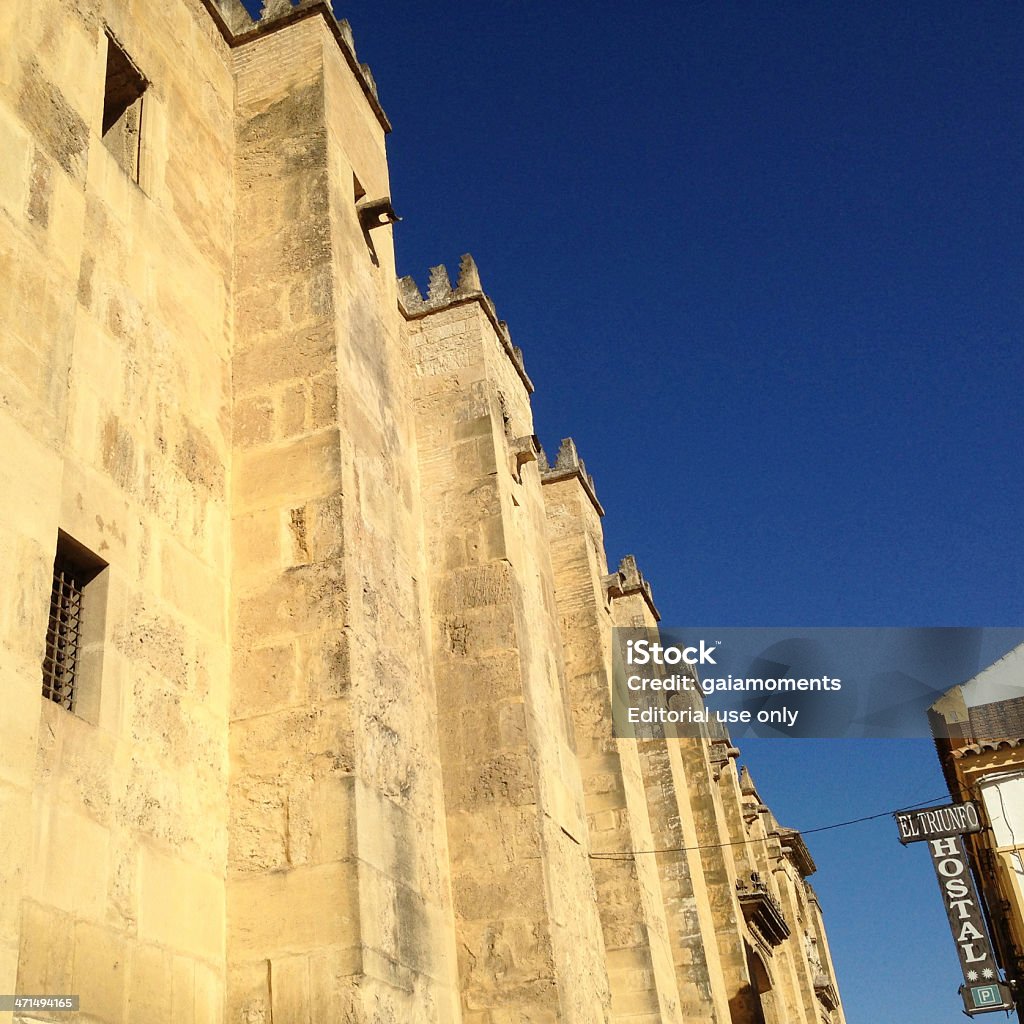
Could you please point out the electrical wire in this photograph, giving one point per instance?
(628, 854)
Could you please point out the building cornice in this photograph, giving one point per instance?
(279, 14)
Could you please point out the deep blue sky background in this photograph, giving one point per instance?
(765, 264)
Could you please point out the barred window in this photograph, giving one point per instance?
(74, 568)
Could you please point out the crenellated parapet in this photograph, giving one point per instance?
(230, 14)
(441, 295)
(238, 27)
(630, 580)
(568, 465)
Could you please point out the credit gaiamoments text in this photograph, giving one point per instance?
(750, 684)
(645, 652)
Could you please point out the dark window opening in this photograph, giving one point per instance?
(74, 568)
(122, 109)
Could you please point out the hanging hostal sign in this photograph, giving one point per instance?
(943, 829)
(982, 990)
(937, 822)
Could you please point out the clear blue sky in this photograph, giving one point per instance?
(765, 264)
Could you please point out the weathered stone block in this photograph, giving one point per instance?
(289, 986)
(20, 718)
(333, 818)
(265, 679)
(72, 862)
(253, 421)
(293, 472)
(15, 166)
(506, 778)
(256, 545)
(318, 738)
(53, 121)
(258, 826)
(149, 986)
(180, 905)
(334, 974)
(100, 971)
(325, 664)
(291, 912)
(86, 768)
(15, 842)
(248, 993)
(183, 990)
(209, 994)
(301, 601)
(45, 965)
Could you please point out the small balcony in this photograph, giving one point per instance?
(761, 910)
(825, 992)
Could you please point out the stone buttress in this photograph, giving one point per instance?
(528, 931)
(634, 916)
(659, 931)
(338, 894)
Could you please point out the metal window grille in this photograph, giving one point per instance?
(63, 635)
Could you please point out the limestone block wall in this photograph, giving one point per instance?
(695, 869)
(796, 975)
(530, 944)
(114, 355)
(630, 899)
(338, 893)
(692, 924)
(341, 750)
(798, 948)
(720, 819)
(826, 987)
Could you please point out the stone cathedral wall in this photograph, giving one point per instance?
(115, 427)
(339, 746)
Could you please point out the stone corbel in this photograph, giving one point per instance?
(522, 451)
(376, 213)
(720, 753)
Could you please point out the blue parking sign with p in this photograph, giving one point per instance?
(986, 995)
